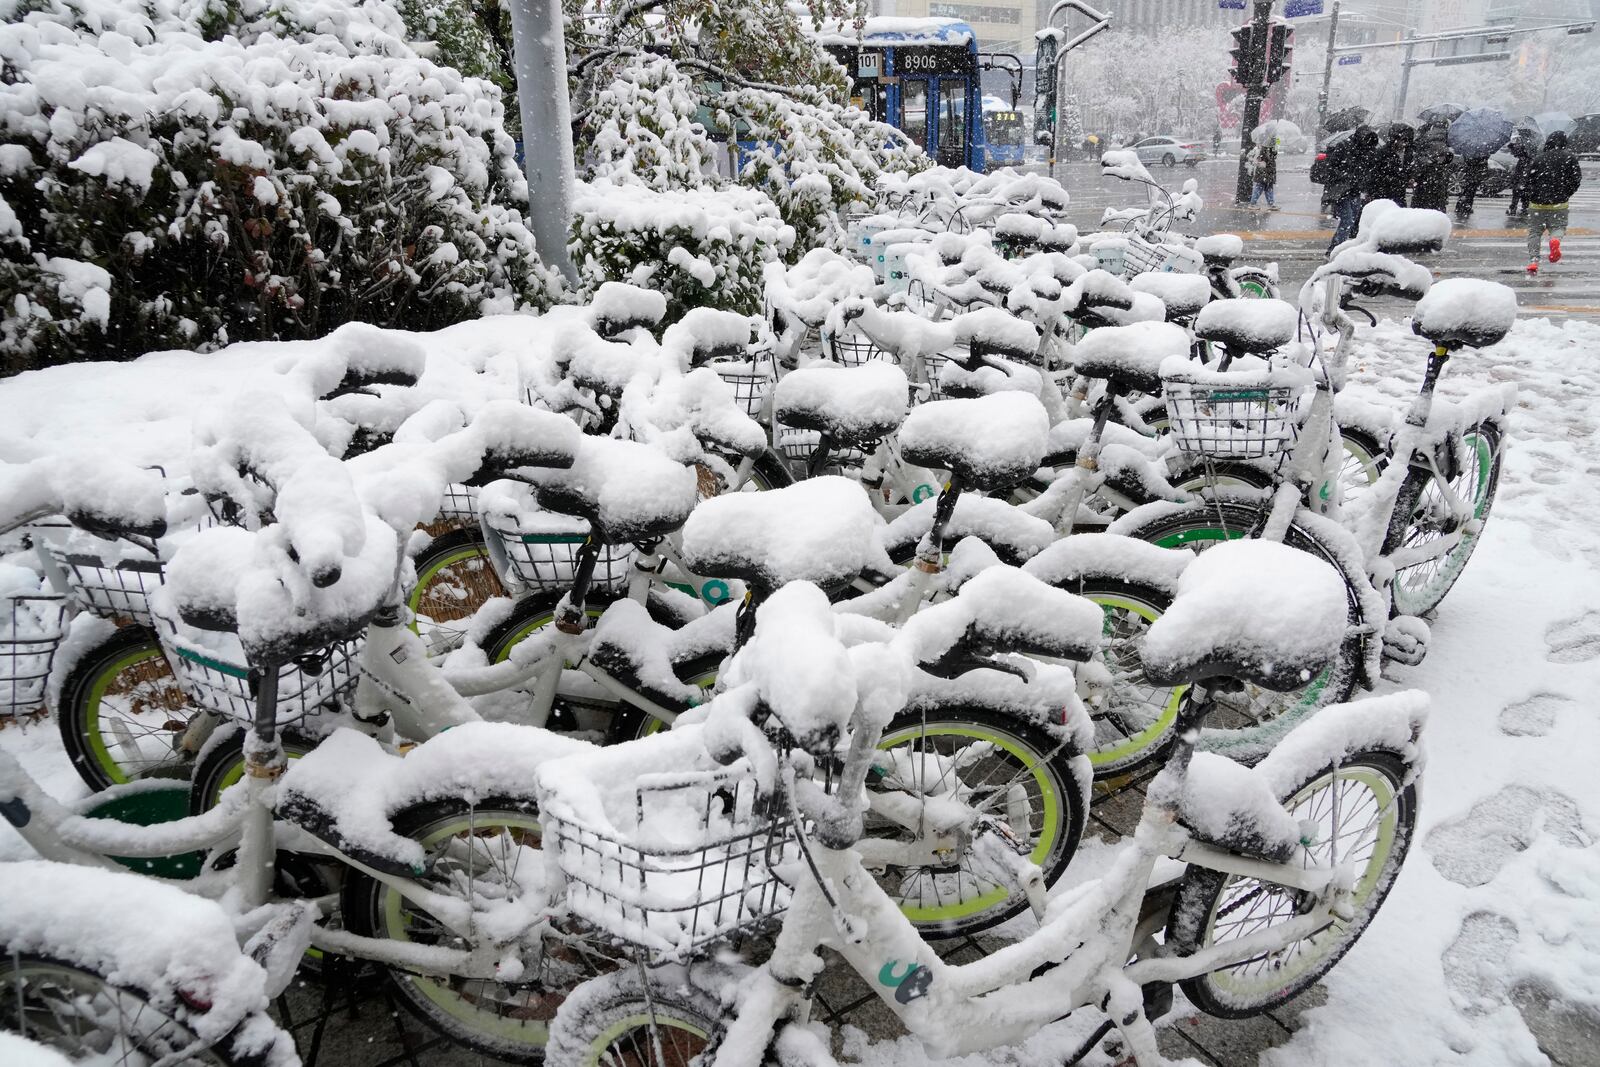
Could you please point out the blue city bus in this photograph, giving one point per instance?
(1005, 131)
(924, 77)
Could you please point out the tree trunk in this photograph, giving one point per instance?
(541, 64)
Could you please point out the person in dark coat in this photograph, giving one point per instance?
(1473, 171)
(1391, 170)
(1553, 176)
(1350, 168)
(1431, 167)
(1264, 174)
(1522, 149)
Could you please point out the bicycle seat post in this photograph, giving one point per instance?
(264, 764)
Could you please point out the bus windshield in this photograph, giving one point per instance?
(1003, 127)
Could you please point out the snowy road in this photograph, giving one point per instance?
(1297, 235)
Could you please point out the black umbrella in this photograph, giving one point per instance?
(1346, 119)
(1441, 113)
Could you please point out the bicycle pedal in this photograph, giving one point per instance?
(1157, 999)
(1406, 639)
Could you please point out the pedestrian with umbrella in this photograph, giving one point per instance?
(1430, 167)
(1391, 169)
(1553, 176)
(1350, 165)
(1476, 135)
(1523, 147)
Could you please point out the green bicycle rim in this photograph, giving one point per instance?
(1104, 757)
(1452, 562)
(460, 555)
(638, 1022)
(1281, 975)
(1047, 832)
(436, 989)
(91, 718)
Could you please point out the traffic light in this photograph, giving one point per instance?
(1247, 56)
(1280, 51)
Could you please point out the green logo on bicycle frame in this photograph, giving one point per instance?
(922, 492)
(716, 592)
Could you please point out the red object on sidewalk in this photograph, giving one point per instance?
(1533, 268)
(1555, 250)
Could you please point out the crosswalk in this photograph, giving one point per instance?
(1558, 290)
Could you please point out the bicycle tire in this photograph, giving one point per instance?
(1191, 924)
(1198, 525)
(1362, 464)
(124, 683)
(1414, 590)
(624, 1017)
(482, 1014)
(222, 764)
(1056, 792)
(454, 579)
(1137, 721)
(27, 978)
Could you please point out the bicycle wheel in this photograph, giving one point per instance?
(626, 1020)
(123, 714)
(1202, 525)
(1361, 465)
(1134, 721)
(1422, 516)
(454, 580)
(81, 1014)
(222, 764)
(1362, 809)
(999, 765)
(483, 853)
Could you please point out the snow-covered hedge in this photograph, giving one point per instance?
(184, 173)
(816, 159)
(701, 247)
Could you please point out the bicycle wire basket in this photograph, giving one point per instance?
(850, 349)
(548, 561)
(459, 506)
(750, 379)
(225, 682)
(35, 626)
(1142, 257)
(119, 590)
(1257, 418)
(674, 899)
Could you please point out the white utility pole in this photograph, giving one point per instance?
(540, 51)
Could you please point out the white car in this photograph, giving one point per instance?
(1169, 151)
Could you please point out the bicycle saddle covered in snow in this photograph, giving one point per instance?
(989, 442)
(1219, 249)
(1183, 294)
(821, 530)
(1130, 355)
(854, 406)
(1465, 312)
(1258, 611)
(1253, 326)
(628, 491)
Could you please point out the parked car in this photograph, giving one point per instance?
(1169, 151)
(1585, 136)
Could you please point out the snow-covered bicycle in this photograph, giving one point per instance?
(1285, 864)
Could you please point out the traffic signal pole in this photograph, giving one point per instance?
(1327, 74)
(1255, 92)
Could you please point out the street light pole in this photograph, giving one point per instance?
(1327, 73)
(1405, 81)
(1255, 93)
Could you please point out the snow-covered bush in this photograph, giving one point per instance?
(813, 157)
(182, 173)
(701, 247)
(642, 128)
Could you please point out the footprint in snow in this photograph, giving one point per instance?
(1471, 849)
(1478, 970)
(1574, 640)
(1475, 963)
(1535, 716)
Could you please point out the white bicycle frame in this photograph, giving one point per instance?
(1086, 941)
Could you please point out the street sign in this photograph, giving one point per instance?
(1349, 61)
(1296, 8)
(869, 64)
(1231, 5)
